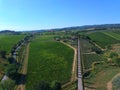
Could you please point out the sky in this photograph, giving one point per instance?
(46, 14)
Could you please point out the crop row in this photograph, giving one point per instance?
(8, 41)
(49, 61)
(88, 59)
(102, 39)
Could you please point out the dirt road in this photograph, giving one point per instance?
(24, 70)
(109, 84)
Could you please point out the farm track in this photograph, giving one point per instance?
(24, 70)
(109, 84)
(80, 81)
(74, 66)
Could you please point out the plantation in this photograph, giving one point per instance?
(114, 35)
(102, 39)
(88, 59)
(7, 41)
(86, 46)
(45, 37)
(49, 61)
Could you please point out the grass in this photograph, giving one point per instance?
(49, 61)
(102, 39)
(88, 59)
(7, 41)
(103, 75)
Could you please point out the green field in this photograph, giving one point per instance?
(7, 41)
(45, 37)
(113, 35)
(86, 46)
(48, 61)
(102, 39)
(88, 59)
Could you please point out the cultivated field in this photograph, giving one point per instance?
(6, 44)
(113, 35)
(102, 39)
(86, 47)
(8, 41)
(48, 61)
(88, 59)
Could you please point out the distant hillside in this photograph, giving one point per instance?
(91, 27)
(79, 28)
(8, 32)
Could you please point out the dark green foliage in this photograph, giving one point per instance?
(117, 61)
(41, 86)
(113, 54)
(7, 85)
(97, 50)
(3, 54)
(11, 70)
(10, 59)
(56, 85)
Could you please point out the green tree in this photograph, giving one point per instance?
(7, 85)
(113, 54)
(11, 70)
(10, 59)
(41, 86)
(116, 61)
(3, 54)
(56, 85)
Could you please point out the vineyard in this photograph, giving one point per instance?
(8, 41)
(88, 59)
(49, 61)
(102, 39)
(114, 35)
(86, 46)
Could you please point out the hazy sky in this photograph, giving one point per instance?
(43, 14)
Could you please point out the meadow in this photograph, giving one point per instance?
(8, 41)
(102, 39)
(48, 61)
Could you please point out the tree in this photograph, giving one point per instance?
(11, 70)
(97, 50)
(3, 54)
(7, 85)
(41, 86)
(56, 85)
(113, 54)
(116, 61)
(11, 60)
